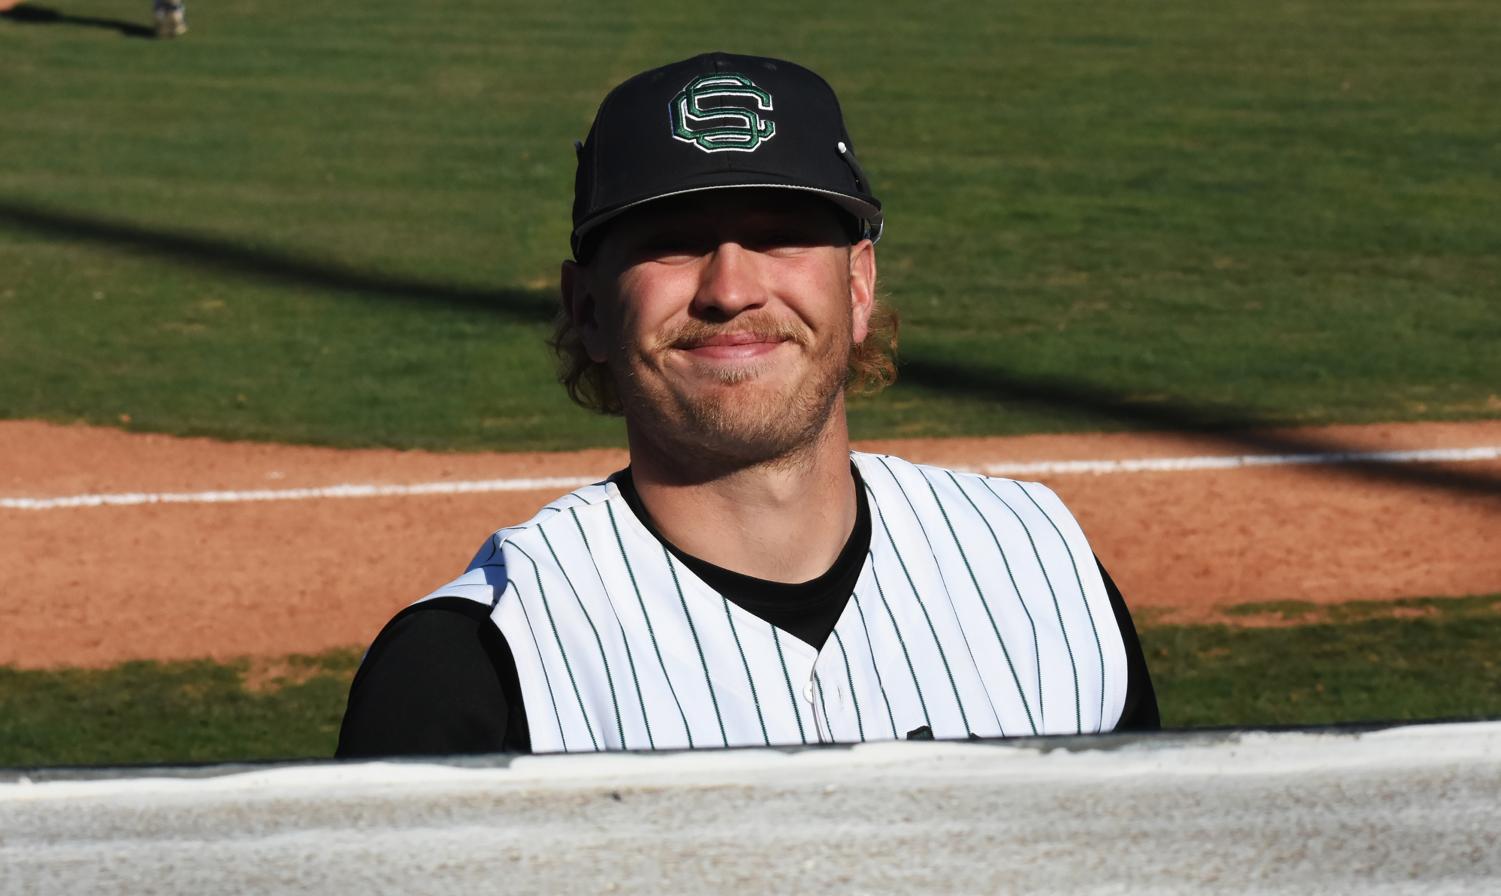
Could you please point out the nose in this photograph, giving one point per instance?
(729, 283)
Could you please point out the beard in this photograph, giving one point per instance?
(737, 416)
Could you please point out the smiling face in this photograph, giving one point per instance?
(727, 319)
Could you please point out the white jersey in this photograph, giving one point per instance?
(979, 610)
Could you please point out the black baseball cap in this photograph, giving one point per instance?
(713, 122)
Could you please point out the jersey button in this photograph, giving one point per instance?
(808, 692)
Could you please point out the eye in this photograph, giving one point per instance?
(783, 237)
(785, 241)
(788, 234)
(671, 245)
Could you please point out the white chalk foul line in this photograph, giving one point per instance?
(127, 499)
(1212, 462)
(564, 483)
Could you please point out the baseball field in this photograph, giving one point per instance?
(273, 298)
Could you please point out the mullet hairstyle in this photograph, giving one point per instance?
(591, 385)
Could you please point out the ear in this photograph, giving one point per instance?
(862, 287)
(580, 306)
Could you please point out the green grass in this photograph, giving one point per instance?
(147, 712)
(1438, 659)
(341, 223)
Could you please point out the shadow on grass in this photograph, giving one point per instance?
(27, 14)
(286, 269)
(1232, 427)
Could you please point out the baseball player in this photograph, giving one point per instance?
(748, 579)
(171, 17)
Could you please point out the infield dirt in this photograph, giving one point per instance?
(90, 586)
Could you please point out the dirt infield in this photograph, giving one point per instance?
(225, 576)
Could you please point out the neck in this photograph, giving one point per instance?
(784, 520)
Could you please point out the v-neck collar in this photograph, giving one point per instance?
(804, 612)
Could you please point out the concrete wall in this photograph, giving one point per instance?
(1402, 810)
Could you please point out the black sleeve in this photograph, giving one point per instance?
(1140, 713)
(439, 680)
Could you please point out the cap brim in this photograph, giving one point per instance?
(862, 209)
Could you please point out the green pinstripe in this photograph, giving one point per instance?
(828, 721)
(708, 681)
(1036, 649)
(542, 594)
(849, 674)
(979, 592)
(614, 700)
(942, 655)
(625, 642)
(625, 558)
(744, 662)
(1006, 562)
(1074, 565)
(881, 592)
(872, 654)
(546, 679)
(604, 660)
(1062, 628)
(791, 694)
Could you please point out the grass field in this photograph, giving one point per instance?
(341, 224)
(1357, 662)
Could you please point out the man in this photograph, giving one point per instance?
(171, 17)
(747, 580)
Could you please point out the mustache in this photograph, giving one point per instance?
(695, 333)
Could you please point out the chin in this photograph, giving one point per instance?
(750, 424)
(737, 414)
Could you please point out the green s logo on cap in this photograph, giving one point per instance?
(722, 113)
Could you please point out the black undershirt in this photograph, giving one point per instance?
(807, 610)
(440, 678)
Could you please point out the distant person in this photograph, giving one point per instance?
(748, 580)
(171, 18)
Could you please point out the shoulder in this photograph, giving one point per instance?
(906, 494)
(888, 477)
(487, 576)
(441, 629)
(433, 682)
(430, 622)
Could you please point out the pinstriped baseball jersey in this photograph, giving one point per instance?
(979, 610)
